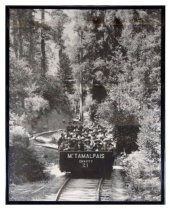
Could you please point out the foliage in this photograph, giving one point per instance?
(35, 104)
(106, 111)
(16, 119)
(20, 77)
(144, 175)
(122, 50)
(149, 138)
(24, 166)
(36, 83)
(66, 72)
(18, 136)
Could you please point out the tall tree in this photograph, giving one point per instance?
(43, 51)
(60, 19)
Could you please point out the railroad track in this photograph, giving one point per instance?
(80, 190)
(84, 190)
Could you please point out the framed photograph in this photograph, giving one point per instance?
(85, 98)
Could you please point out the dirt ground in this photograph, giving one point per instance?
(39, 191)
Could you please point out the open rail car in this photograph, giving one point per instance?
(86, 162)
(91, 149)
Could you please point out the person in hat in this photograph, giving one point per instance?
(100, 135)
(75, 145)
(85, 135)
(71, 144)
(61, 147)
(92, 140)
(64, 146)
(105, 144)
(87, 145)
(97, 146)
(110, 147)
(61, 139)
(101, 141)
(78, 137)
(80, 144)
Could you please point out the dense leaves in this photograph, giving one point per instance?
(38, 83)
(24, 166)
(121, 49)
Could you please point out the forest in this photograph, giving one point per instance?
(101, 65)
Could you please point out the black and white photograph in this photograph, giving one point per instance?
(85, 109)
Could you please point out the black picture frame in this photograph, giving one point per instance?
(162, 8)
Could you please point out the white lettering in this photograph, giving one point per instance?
(86, 155)
(70, 155)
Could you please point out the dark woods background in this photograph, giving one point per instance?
(115, 56)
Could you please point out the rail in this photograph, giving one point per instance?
(80, 190)
(99, 189)
(61, 188)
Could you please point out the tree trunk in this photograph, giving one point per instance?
(14, 29)
(43, 58)
(31, 40)
(81, 92)
(81, 103)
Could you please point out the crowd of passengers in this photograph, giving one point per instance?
(80, 138)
